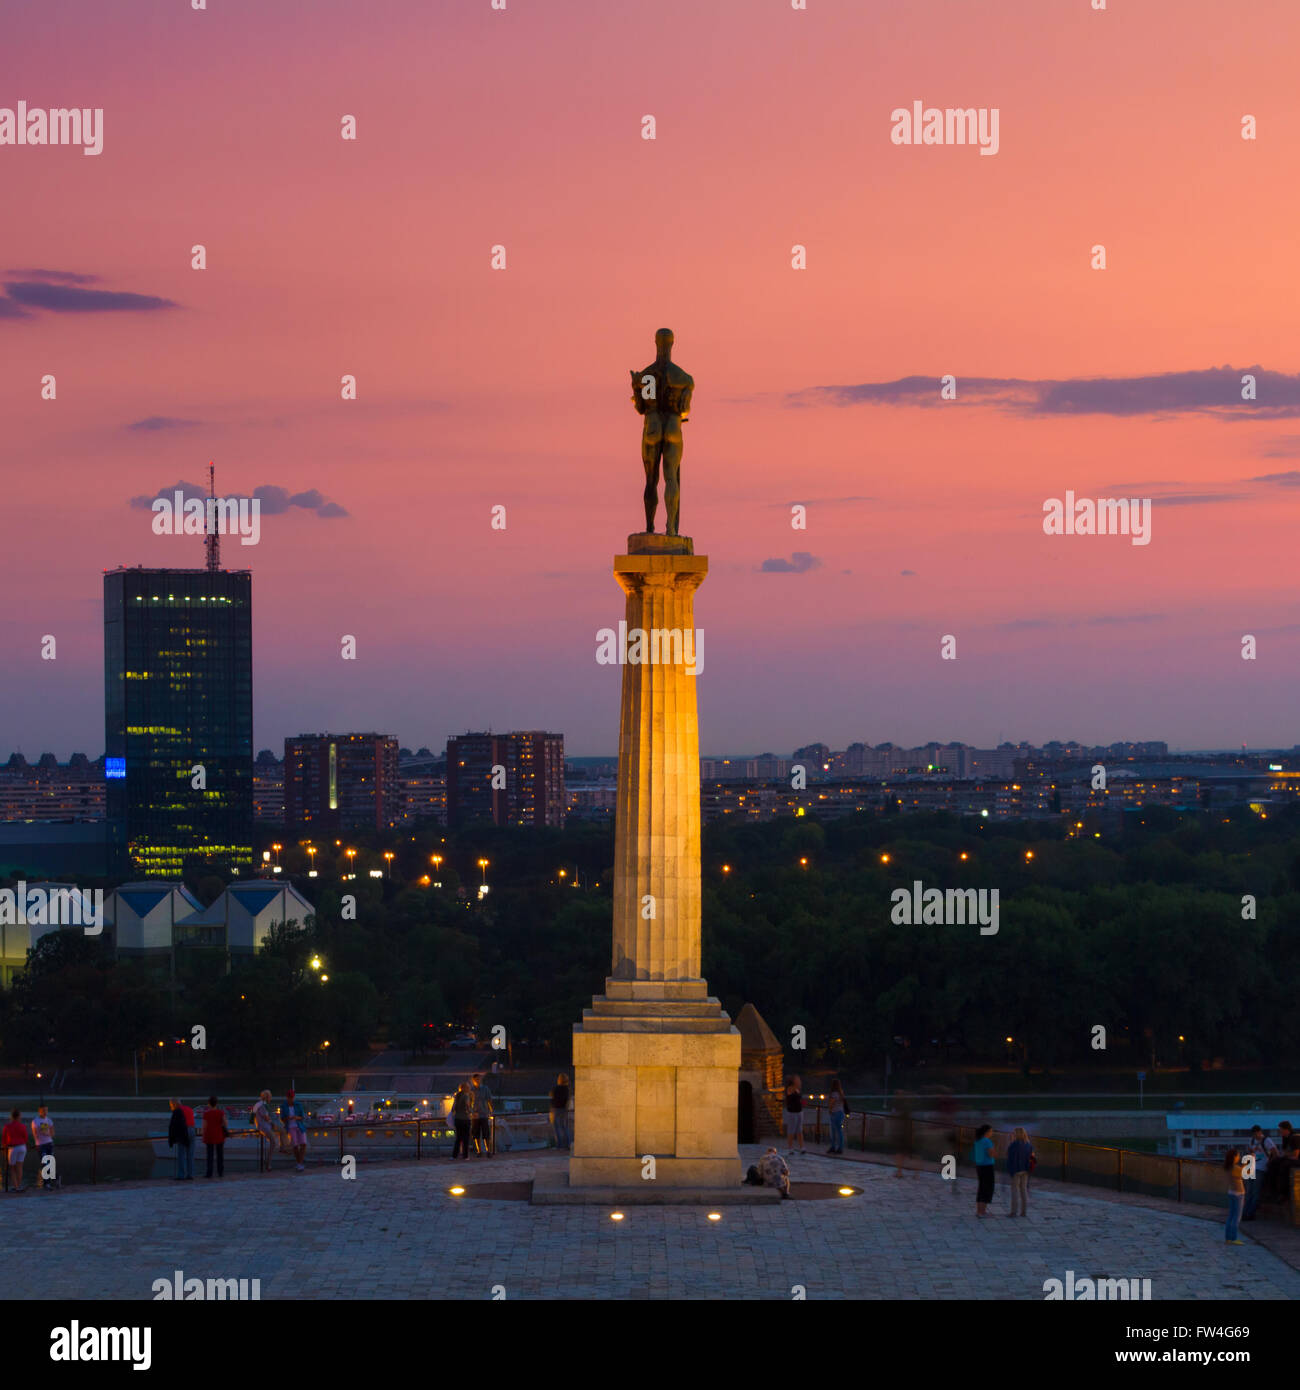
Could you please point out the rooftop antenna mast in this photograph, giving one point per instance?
(212, 544)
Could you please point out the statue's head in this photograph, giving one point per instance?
(663, 340)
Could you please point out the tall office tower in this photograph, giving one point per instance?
(178, 719)
(341, 782)
(508, 779)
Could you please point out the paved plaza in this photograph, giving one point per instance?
(395, 1232)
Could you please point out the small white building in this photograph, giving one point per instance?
(143, 916)
(1211, 1133)
(25, 916)
(241, 917)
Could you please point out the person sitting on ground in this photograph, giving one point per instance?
(775, 1172)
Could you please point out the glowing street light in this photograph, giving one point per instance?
(483, 864)
(315, 962)
(389, 856)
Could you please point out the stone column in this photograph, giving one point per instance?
(657, 834)
(656, 1060)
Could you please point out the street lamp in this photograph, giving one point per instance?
(311, 859)
(388, 855)
(483, 864)
(315, 962)
(277, 849)
(352, 855)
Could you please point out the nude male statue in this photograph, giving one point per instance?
(661, 394)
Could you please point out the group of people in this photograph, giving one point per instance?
(1274, 1164)
(836, 1102)
(283, 1129)
(1020, 1161)
(13, 1140)
(471, 1118)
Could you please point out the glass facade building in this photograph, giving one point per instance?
(178, 695)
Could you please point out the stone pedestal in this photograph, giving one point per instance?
(656, 1060)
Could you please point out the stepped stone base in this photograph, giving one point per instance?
(656, 1076)
(557, 1189)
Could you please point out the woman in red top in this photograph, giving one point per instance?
(14, 1141)
(214, 1136)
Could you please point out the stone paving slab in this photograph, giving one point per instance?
(395, 1232)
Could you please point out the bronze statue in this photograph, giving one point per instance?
(661, 393)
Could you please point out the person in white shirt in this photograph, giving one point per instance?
(43, 1138)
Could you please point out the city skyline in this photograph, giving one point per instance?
(816, 387)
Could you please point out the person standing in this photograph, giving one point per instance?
(191, 1140)
(482, 1130)
(294, 1119)
(1264, 1150)
(265, 1126)
(43, 1138)
(13, 1139)
(839, 1108)
(215, 1131)
(1020, 1162)
(985, 1168)
(1236, 1196)
(560, 1111)
(461, 1110)
(178, 1138)
(793, 1114)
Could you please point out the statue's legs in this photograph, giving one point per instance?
(672, 473)
(651, 449)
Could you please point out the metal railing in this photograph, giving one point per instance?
(1065, 1160)
(245, 1150)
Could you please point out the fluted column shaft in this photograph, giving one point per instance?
(657, 835)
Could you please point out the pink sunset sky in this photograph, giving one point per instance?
(479, 387)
